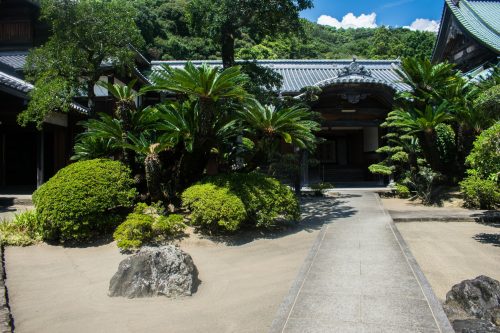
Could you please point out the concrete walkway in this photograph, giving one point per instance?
(360, 277)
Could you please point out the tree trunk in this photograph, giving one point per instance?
(91, 99)
(152, 166)
(124, 110)
(227, 42)
(430, 150)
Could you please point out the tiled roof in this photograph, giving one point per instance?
(481, 18)
(298, 74)
(25, 87)
(15, 60)
(15, 83)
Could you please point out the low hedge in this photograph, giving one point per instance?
(480, 193)
(267, 201)
(83, 200)
(147, 224)
(227, 201)
(214, 208)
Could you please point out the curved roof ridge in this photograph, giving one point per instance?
(478, 16)
(475, 23)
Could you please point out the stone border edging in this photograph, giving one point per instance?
(5, 315)
(286, 306)
(435, 305)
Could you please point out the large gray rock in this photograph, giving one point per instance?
(164, 271)
(473, 303)
(474, 326)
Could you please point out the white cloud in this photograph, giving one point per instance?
(350, 21)
(424, 25)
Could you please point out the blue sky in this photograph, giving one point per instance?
(370, 13)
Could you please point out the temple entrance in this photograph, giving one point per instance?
(351, 117)
(344, 156)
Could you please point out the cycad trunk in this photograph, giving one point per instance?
(124, 110)
(431, 153)
(152, 166)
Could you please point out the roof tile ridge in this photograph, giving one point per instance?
(476, 14)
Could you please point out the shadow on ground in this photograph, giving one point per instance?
(315, 213)
(489, 217)
(492, 239)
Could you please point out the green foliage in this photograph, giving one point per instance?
(484, 158)
(400, 157)
(84, 199)
(146, 224)
(166, 25)
(23, 230)
(268, 203)
(480, 193)
(488, 102)
(71, 61)
(269, 125)
(214, 208)
(136, 230)
(445, 143)
(424, 183)
(172, 224)
(381, 169)
(225, 21)
(402, 191)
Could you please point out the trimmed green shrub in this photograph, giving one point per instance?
(267, 201)
(213, 207)
(485, 156)
(480, 193)
(23, 230)
(147, 224)
(169, 225)
(136, 230)
(402, 191)
(84, 199)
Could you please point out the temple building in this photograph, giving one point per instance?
(469, 35)
(30, 156)
(355, 98)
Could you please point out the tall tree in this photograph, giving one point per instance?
(87, 38)
(226, 20)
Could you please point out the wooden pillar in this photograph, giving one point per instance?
(40, 158)
(305, 168)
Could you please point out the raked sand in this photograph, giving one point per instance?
(55, 289)
(449, 253)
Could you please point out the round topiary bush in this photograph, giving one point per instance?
(84, 199)
(214, 208)
(267, 201)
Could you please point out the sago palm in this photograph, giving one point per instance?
(268, 124)
(423, 123)
(151, 147)
(125, 109)
(426, 80)
(205, 84)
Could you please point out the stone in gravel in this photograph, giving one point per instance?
(161, 271)
(475, 299)
(474, 326)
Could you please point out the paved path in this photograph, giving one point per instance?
(360, 277)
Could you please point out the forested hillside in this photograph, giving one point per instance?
(167, 29)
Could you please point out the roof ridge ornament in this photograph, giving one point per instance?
(354, 68)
